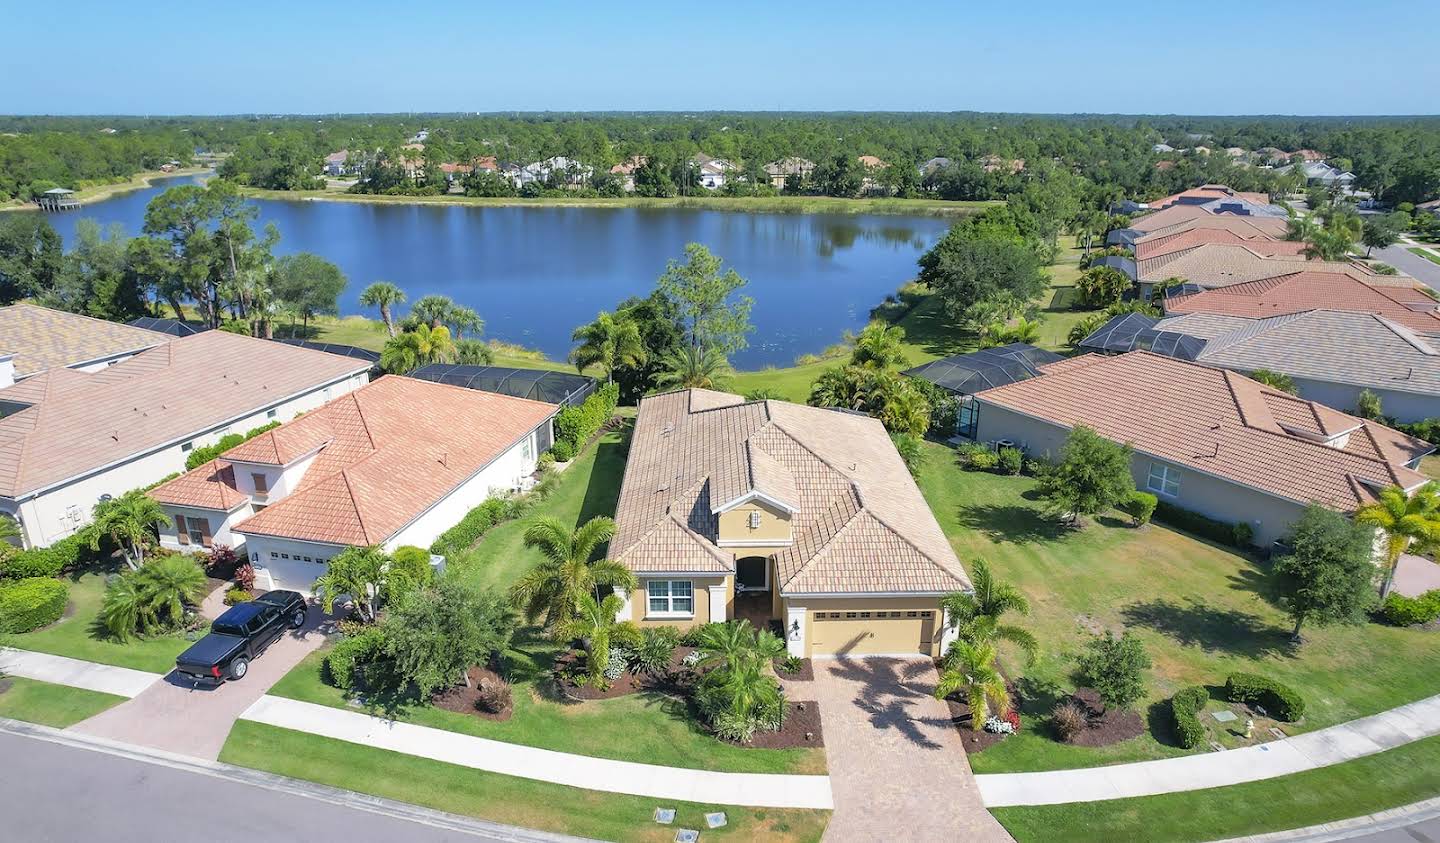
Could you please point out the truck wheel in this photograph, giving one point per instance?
(239, 668)
(297, 620)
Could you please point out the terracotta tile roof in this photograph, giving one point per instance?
(79, 422)
(1220, 423)
(1155, 247)
(1207, 193)
(860, 525)
(1296, 292)
(393, 449)
(41, 338)
(1220, 265)
(210, 486)
(1180, 214)
(1247, 228)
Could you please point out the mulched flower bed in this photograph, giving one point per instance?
(973, 740)
(1106, 727)
(806, 673)
(801, 729)
(572, 664)
(463, 699)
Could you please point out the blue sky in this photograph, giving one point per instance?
(309, 56)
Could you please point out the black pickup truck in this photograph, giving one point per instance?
(239, 635)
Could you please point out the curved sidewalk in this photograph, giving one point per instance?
(1308, 751)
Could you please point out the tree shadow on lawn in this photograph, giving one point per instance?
(1011, 522)
(929, 327)
(1211, 628)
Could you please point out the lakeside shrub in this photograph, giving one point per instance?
(476, 523)
(1141, 507)
(577, 424)
(1279, 701)
(1400, 610)
(1185, 708)
(351, 654)
(28, 604)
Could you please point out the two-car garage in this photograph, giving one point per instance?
(887, 630)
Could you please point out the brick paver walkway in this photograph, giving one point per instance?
(897, 768)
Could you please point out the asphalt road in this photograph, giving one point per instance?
(56, 792)
(1425, 831)
(1397, 256)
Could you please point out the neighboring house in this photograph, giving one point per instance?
(1236, 151)
(774, 511)
(1162, 148)
(932, 165)
(1214, 265)
(1117, 262)
(34, 339)
(1205, 194)
(626, 171)
(779, 171)
(1151, 247)
(1394, 297)
(1208, 440)
(1128, 207)
(1307, 155)
(1271, 155)
(1180, 217)
(560, 388)
(1320, 173)
(872, 166)
(994, 163)
(456, 173)
(420, 136)
(70, 438)
(963, 375)
(395, 463)
(338, 163)
(412, 160)
(1432, 207)
(173, 327)
(713, 171)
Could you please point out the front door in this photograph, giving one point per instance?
(752, 573)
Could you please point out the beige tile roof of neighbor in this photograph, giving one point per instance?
(861, 525)
(392, 449)
(41, 338)
(1178, 214)
(79, 422)
(1220, 423)
(1246, 228)
(1311, 290)
(1220, 265)
(1168, 244)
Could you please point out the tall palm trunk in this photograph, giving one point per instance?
(385, 317)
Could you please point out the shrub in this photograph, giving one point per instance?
(615, 665)
(1400, 610)
(64, 556)
(1010, 460)
(562, 451)
(1279, 701)
(1185, 708)
(576, 425)
(157, 598)
(1242, 535)
(979, 458)
(475, 524)
(238, 595)
(627, 636)
(1203, 526)
(655, 652)
(1141, 507)
(791, 664)
(199, 456)
(493, 696)
(1115, 668)
(245, 576)
(1068, 718)
(221, 562)
(414, 562)
(28, 604)
(350, 654)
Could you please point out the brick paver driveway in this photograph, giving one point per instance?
(897, 768)
(176, 716)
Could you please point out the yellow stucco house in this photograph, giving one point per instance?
(799, 517)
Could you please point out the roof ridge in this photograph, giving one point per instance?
(825, 545)
(359, 516)
(887, 525)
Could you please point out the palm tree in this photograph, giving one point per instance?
(879, 346)
(611, 341)
(735, 644)
(591, 626)
(129, 521)
(412, 349)
(1403, 519)
(1327, 245)
(554, 588)
(152, 598)
(433, 310)
(969, 669)
(693, 368)
(462, 319)
(977, 615)
(365, 575)
(384, 295)
(9, 528)
(473, 353)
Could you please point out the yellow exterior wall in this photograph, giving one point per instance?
(774, 525)
(867, 604)
(701, 588)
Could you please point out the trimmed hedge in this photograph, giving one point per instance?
(576, 425)
(1279, 701)
(28, 604)
(200, 456)
(1236, 535)
(62, 557)
(351, 652)
(475, 524)
(1400, 610)
(1141, 507)
(1185, 708)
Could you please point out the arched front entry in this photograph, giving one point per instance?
(752, 573)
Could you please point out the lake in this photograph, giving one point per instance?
(535, 273)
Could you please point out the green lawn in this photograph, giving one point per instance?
(499, 798)
(80, 636)
(51, 705)
(649, 728)
(1424, 253)
(1200, 609)
(1375, 783)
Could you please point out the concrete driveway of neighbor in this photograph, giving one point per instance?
(177, 716)
(897, 767)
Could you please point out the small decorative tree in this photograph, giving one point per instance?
(437, 634)
(1092, 476)
(365, 575)
(1115, 668)
(1367, 406)
(969, 669)
(1328, 577)
(591, 626)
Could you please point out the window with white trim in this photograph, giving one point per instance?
(670, 598)
(1164, 479)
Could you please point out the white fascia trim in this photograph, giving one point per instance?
(676, 575)
(311, 452)
(163, 445)
(753, 494)
(168, 505)
(756, 543)
(288, 539)
(867, 594)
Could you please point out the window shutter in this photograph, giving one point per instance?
(260, 485)
(180, 526)
(204, 531)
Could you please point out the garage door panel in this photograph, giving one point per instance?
(873, 632)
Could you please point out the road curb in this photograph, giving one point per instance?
(287, 785)
(1387, 820)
